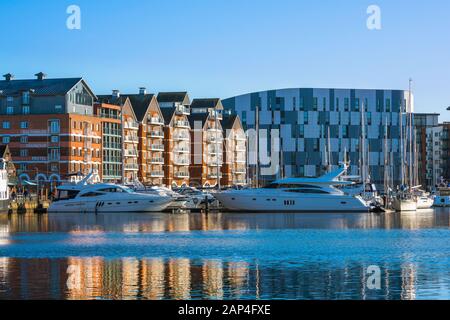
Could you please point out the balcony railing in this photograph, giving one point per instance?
(132, 139)
(181, 137)
(181, 161)
(157, 161)
(131, 166)
(240, 138)
(181, 150)
(182, 124)
(156, 147)
(130, 153)
(181, 174)
(156, 121)
(213, 175)
(131, 125)
(239, 171)
(156, 134)
(156, 174)
(182, 110)
(239, 160)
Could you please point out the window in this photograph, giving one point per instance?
(24, 139)
(9, 110)
(301, 131)
(357, 104)
(54, 139)
(324, 102)
(24, 152)
(388, 105)
(315, 104)
(54, 126)
(26, 97)
(26, 110)
(23, 124)
(337, 104)
(6, 140)
(346, 104)
(305, 117)
(6, 125)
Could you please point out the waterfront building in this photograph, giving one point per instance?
(175, 107)
(206, 142)
(49, 127)
(234, 170)
(304, 116)
(130, 139)
(111, 128)
(428, 148)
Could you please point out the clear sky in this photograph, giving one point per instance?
(222, 48)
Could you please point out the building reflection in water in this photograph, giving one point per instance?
(96, 278)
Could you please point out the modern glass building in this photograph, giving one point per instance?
(305, 116)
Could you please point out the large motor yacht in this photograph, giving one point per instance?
(105, 198)
(296, 195)
(4, 190)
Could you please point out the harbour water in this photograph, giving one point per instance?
(225, 256)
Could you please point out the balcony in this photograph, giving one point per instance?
(214, 175)
(182, 110)
(181, 174)
(240, 138)
(213, 139)
(131, 166)
(157, 161)
(215, 151)
(156, 147)
(131, 139)
(156, 174)
(181, 150)
(156, 134)
(131, 125)
(213, 129)
(181, 161)
(212, 161)
(239, 171)
(156, 121)
(182, 124)
(181, 137)
(130, 153)
(240, 160)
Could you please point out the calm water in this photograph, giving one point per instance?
(225, 256)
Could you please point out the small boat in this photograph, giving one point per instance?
(442, 197)
(296, 195)
(196, 199)
(178, 201)
(425, 202)
(4, 189)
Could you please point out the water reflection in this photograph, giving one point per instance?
(159, 223)
(224, 256)
(96, 278)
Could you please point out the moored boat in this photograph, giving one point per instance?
(4, 189)
(296, 195)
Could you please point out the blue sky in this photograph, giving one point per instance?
(218, 48)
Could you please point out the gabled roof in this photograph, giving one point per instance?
(173, 97)
(45, 87)
(228, 121)
(167, 114)
(214, 103)
(140, 103)
(196, 117)
(109, 99)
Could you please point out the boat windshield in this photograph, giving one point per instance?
(289, 186)
(66, 194)
(116, 190)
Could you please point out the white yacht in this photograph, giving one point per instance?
(196, 199)
(296, 195)
(4, 190)
(105, 198)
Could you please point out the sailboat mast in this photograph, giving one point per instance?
(410, 135)
(402, 173)
(257, 146)
(329, 151)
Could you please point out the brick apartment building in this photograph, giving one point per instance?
(49, 127)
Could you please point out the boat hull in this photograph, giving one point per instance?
(110, 206)
(4, 206)
(279, 202)
(425, 203)
(401, 205)
(442, 201)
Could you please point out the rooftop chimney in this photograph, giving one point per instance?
(40, 76)
(116, 94)
(142, 91)
(8, 77)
